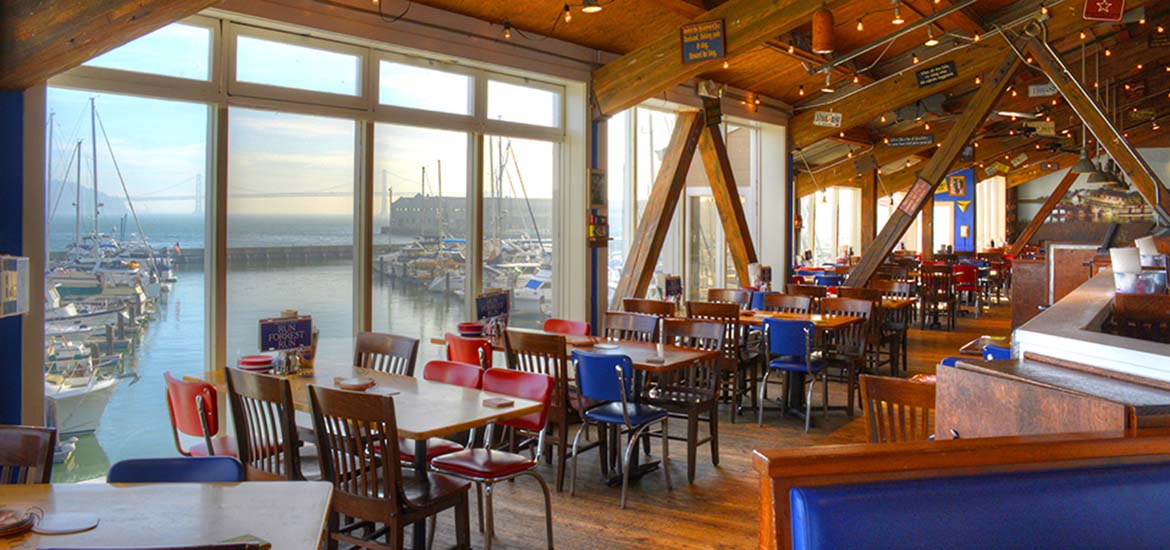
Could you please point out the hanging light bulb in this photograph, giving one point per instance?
(726, 64)
(801, 92)
(978, 81)
(931, 41)
(568, 13)
(1161, 29)
(1108, 52)
(1082, 35)
(590, 6)
(856, 78)
(883, 119)
(507, 30)
(1043, 10)
(897, 20)
(975, 38)
(828, 87)
(926, 126)
(860, 25)
(791, 48)
(914, 58)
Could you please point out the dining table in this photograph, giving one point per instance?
(423, 409)
(285, 514)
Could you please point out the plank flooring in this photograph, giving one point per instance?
(720, 509)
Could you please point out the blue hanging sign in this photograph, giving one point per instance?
(702, 41)
(286, 333)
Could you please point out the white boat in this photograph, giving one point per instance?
(535, 294)
(78, 409)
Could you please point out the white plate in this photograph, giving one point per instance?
(63, 524)
(602, 345)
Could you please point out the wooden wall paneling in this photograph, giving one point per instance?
(713, 152)
(934, 171)
(660, 207)
(39, 39)
(1045, 209)
(1029, 289)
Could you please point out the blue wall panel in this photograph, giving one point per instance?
(11, 236)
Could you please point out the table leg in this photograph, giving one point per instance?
(419, 535)
(794, 400)
(637, 470)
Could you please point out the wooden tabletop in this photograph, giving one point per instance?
(286, 514)
(644, 355)
(424, 409)
(821, 322)
(897, 303)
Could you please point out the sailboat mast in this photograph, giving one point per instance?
(49, 183)
(93, 142)
(77, 205)
(442, 207)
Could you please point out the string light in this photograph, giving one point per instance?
(1142, 21)
(1014, 94)
(791, 48)
(883, 119)
(590, 6)
(915, 58)
(1161, 29)
(926, 126)
(1028, 60)
(726, 64)
(507, 30)
(886, 141)
(975, 38)
(931, 41)
(857, 77)
(1108, 52)
(568, 14)
(801, 92)
(1043, 10)
(976, 144)
(897, 20)
(1055, 102)
(978, 81)
(1082, 35)
(860, 25)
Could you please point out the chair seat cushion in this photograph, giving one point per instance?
(482, 463)
(435, 446)
(639, 413)
(224, 445)
(436, 488)
(795, 365)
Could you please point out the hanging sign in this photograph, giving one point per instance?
(1050, 166)
(702, 41)
(1134, 89)
(827, 119)
(915, 196)
(286, 333)
(1142, 114)
(1042, 127)
(936, 74)
(1103, 10)
(1160, 40)
(997, 167)
(963, 205)
(712, 111)
(911, 141)
(1020, 159)
(1042, 90)
(967, 154)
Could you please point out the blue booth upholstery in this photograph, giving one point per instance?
(1121, 506)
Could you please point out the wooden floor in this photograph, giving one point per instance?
(720, 509)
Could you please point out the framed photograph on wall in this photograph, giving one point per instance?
(597, 188)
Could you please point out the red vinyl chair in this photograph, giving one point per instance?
(193, 408)
(967, 281)
(467, 375)
(469, 349)
(486, 466)
(565, 326)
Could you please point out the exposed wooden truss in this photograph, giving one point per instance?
(1045, 209)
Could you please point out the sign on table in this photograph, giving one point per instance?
(827, 119)
(490, 305)
(286, 333)
(702, 41)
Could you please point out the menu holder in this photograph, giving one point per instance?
(498, 402)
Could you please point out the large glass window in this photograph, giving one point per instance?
(991, 223)
(519, 177)
(421, 88)
(290, 226)
(291, 66)
(619, 180)
(420, 242)
(524, 104)
(125, 282)
(178, 50)
(835, 224)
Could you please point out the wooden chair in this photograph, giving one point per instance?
(369, 489)
(657, 308)
(738, 296)
(896, 409)
(884, 344)
(387, 353)
(848, 344)
(1145, 316)
(740, 368)
(692, 392)
(816, 293)
(936, 287)
(542, 353)
(788, 303)
(622, 325)
(871, 294)
(898, 321)
(264, 418)
(26, 454)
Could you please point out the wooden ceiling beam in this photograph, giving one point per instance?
(658, 65)
(40, 39)
(815, 60)
(966, 22)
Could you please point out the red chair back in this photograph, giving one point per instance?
(966, 275)
(525, 385)
(186, 414)
(565, 326)
(469, 349)
(467, 375)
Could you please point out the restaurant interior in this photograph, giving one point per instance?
(683, 273)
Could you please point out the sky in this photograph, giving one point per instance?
(161, 146)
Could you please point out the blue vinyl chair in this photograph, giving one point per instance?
(790, 349)
(607, 381)
(201, 469)
(993, 352)
(758, 299)
(951, 361)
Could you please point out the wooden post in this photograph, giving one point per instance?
(660, 206)
(927, 229)
(868, 208)
(713, 151)
(933, 172)
(1045, 209)
(1134, 166)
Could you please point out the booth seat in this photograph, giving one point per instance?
(1100, 490)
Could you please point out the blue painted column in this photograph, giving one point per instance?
(598, 298)
(11, 242)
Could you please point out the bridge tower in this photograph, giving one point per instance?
(199, 198)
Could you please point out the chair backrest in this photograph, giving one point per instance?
(469, 349)
(209, 546)
(454, 372)
(700, 378)
(966, 274)
(603, 377)
(936, 282)
(813, 291)
(565, 326)
(828, 280)
(721, 312)
(894, 289)
(525, 385)
(194, 469)
(659, 308)
(787, 303)
(789, 338)
(26, 454)
(738, 296)
(631, 326)
(850, 307)
(192, 406)
(897, 409)
(350, 427)
(850, 340)
(540, 353)
(265, 421)
(871, 294)
(385, 352)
